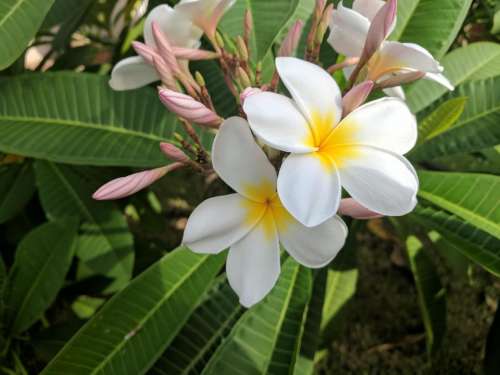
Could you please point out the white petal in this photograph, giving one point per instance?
(395, 92)
(313, 89)
(394, 57)
(309, 188)
(241, 163)
(386, 123)
(368, 8)
(253, 264)
(132, 73)
(276, 119)
(218, 223)
(179, 29)
(381, 181)
(313, 247)
(348, 31)
(441, 79)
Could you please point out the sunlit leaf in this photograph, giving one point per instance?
(133, 329)
(265, 339)
(478, 246)
(431, 295)
(473, 197)
(76, 118)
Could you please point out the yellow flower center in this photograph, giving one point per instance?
(334, 145)
(266, 210)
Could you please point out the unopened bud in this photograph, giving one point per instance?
(379, 29)
(124, 186)
(244, 78)
(188, 108)
(352, 208)
(145, 51)
(199, 79)
(194, 54)
(248, 24)
(165, 48)
(219, 40)
(356, 97)
(174, 153)
(242, 48)
(291, 40)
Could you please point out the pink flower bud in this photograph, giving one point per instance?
(165, 48)
(124, 186)
(352, 208)
(380, 28)
(356, 97)
(249, 91)
(188, 108)
(292, 39)
(194, 54)
(147, 52)
(173, 152)
(217, 14)
(165, 73)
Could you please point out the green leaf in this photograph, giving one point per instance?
(67, 15)
(431, 295)
(437, 32)
(492, 352)
(443, 118)
(133, 329)
(478, 127)
(476, 61)
(76, 118)
(17, 185)
(495, 29)
(265, 339)
(311, 336)
(473, 197)
(269, 19)
(42, 260)
(105, 246)
(341, 284)
(202, 334)
(471, 242)
(19, 22)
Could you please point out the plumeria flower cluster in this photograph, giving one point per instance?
(322, 140)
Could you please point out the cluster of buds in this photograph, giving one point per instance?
(320, 19)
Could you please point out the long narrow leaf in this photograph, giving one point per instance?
(133, 329)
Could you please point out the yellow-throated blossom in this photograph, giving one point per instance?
(253, 222)
(361, 152)
(348, 35)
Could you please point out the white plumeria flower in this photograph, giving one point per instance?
(134, 72)
(348, 34)
(252, 222)
(362, 152)
(205, 14)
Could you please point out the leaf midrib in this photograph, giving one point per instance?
(463, 212)
(11, 12)
(281, 319)
(151, 312)
(61, 122)
(109, 306)
(33, 285)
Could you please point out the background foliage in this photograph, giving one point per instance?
(88, 287)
